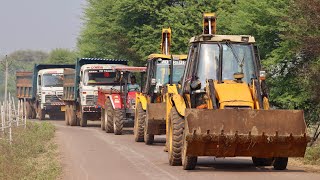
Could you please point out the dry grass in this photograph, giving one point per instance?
(32, 154)
(311, 161)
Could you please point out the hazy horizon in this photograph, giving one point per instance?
(39, 24)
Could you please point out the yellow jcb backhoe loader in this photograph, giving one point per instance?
(150, 111)
(222, 108)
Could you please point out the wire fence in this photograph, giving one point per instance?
(12, 114)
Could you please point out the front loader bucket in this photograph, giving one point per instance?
(156, 118)
(253, 133)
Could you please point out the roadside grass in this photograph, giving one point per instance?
(311, 160)
(32, 154)
(312, 155)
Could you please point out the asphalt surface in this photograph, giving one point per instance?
(90, 153)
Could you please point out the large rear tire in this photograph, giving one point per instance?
(176, 127)
(280, 163)
(66, 115)
(118, 120)
(138, 130)
(109, 117)
(188, 162)
(148, 138)
(102, 119)
(262, 161)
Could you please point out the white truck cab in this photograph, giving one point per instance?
(49, 92)
(92, 77)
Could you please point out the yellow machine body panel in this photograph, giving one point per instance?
(231, 93)
(140, 98)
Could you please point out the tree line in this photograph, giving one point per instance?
(286, 31)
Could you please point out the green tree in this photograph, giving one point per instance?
(61, 56)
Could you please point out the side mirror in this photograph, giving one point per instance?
(153, 82)
(262, 75)
(195, 85)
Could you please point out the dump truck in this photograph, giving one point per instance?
(80, 88)
(42, 90)
(118, 104)
(150, 113)
(222, 108)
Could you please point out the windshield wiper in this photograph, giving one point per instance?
(240, 62)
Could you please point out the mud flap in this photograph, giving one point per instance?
(156, 118)
(236, 132)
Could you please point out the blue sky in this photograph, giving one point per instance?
(39, 24)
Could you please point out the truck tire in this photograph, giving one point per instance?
(188, 162)
(102, 119)
(176, 127)
(83, 120)
(28, 110)
(262, 161)
(108, 117)
(118, 120)
(33, 110)
(72, 116)
(280, 163)
(138, 130)
(148, 138)
(66, 115)
(41, 113)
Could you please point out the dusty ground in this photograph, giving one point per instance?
(90, 153)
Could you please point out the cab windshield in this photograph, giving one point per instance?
(53, 80)
(236, 58)
(163, 71)
(99, 77)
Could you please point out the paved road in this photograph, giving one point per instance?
(90, 153)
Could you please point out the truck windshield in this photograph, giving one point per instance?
(240, 60)
(163, 71)
(52, 80)
(99, 77)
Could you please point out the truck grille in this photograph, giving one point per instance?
(53, 98)
(91, 99)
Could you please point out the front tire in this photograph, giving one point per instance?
(188, 162)
(41, 113)
(262, 161)
(176, 127)
(139, 124)
(72, 116)
(83, 120)
(280, 163)
(109, 117)
(148, 138)
(118, 120)
(66, 115)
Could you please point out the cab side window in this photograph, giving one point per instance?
(188, 73)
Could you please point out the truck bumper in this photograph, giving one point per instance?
(90, 109)
(54, 107)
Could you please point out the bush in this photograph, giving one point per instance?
(312, 155)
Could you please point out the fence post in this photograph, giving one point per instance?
(10, 121)
(3, 121)
(25, 113)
